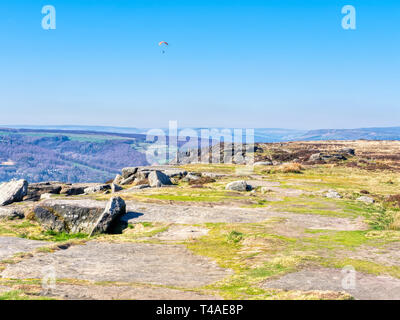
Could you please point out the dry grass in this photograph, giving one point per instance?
(291, 168)
(394, 199)
(201, 181)
(395, 225)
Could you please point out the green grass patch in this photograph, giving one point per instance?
(63, 236)
(334, 239)
(235, 236)
(20, 295)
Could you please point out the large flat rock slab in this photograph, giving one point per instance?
(124, 262)
(97, 292)
(145, 212)
(139, 212)
(181, 233)
(9, 246)
(388, 254)
(366, 286)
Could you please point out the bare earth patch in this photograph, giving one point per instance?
(9, 246)
(123, 262)
(367, 287)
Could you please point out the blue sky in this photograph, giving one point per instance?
(279, 63)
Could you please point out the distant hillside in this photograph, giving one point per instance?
(353, 134)
(75, 156)
(261, 134)
(52, 154)
(84, 155)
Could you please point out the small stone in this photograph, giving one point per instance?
(366, 199)
(332, 194)
(240, 185)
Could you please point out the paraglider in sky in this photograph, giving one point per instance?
(163, 45)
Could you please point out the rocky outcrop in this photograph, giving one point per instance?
(158, 179)
(139, 187)
(128, 180)
(70, 190)
(79, 216)
(240, 185)
(349, 151)
(114, 208)
(159, 176)
(13, 191)
(127, 172)
(45, 196)
(263, 163)
(341, 154)
(118, 179)
(115, 188)
(175, 173)
(35, 190)
(192, 176)
(76, 188)
(99, 188)
(213, 175)
(218, 153)
(10, 213)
